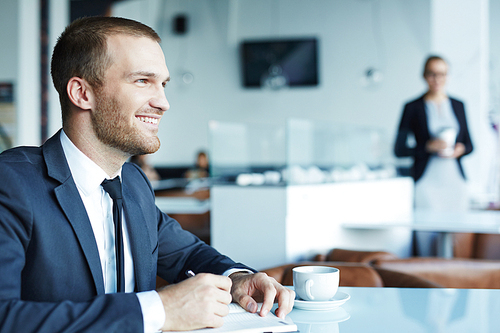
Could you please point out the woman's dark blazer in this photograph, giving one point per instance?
(414, 120)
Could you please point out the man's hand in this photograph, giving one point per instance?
(198, 302)
(248, 289)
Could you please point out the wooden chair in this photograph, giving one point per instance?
(449, 273)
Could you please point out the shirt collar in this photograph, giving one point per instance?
(87, 174)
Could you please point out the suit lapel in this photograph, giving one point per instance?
(423, 120)
(69, 198)
(455, 107)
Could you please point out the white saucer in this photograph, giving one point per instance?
(339, 299)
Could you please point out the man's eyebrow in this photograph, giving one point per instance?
(147, 74)
(143, 73)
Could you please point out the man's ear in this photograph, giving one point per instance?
(80, 93)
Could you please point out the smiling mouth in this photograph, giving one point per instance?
(149, 120)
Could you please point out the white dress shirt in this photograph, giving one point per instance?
(442, 186)
(88, 177)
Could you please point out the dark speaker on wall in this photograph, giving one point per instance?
(180, 24)
(290, 62)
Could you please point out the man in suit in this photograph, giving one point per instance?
(59, 270)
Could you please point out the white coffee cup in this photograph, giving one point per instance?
(449, 136)
(316, 283)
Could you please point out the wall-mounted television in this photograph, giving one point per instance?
(277, 63)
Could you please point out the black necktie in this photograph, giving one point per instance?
(114, 188)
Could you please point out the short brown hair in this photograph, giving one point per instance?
(428, 61)
(81, 51)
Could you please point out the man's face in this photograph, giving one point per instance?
(132, 100)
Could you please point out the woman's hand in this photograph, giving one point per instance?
(459, 150)
(434, 146)
(437, 146)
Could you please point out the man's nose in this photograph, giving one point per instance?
(160, 101)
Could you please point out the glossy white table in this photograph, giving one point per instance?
(406, 310)
(446, 223)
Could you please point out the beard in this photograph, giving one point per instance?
(112, 127)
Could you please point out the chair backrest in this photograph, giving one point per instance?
(487, 246)
(463, 245)
(478, 246)
(394, 279)
(449, 273)
(366, 257)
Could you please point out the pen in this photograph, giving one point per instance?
(190, 273)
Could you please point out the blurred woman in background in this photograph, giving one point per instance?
(441, 138)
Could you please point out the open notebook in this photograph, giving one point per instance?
(240, 321)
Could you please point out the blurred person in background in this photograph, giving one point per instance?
(441, 138)
(201, 168)
(148, 169)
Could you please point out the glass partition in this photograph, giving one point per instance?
(324, 152)
(246, 148)
(298, 152)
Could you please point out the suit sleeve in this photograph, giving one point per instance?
(106, 313)
(113, 312)
(401, 148)
(412, 124)
(464, 136)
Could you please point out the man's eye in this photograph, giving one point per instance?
(141, 81)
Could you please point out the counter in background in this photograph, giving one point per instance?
(266, 226)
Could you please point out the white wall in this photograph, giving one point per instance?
(28, 83)
(19, 64)
(8, 60)
(9, 40)
(495, 55)
(494, 34)
(391, 35)
(59, 11)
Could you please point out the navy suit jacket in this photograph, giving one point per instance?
(50, 272)
(414, 120)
